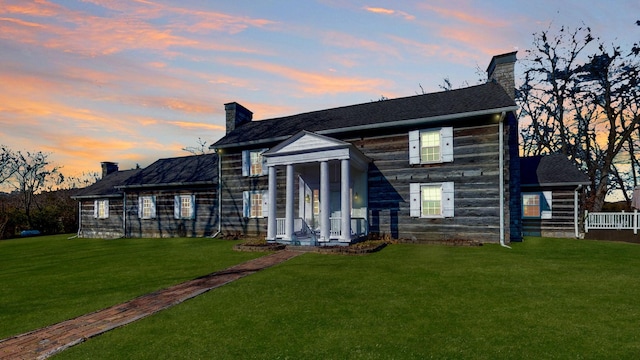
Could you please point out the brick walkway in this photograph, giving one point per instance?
(45, 342)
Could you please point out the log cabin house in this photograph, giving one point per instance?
(441, 167)
(101, 205)
(171, 197)
(553, 191)
(430, 168)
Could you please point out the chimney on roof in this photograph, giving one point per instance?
(108, 168)
(501, 70)
(237, 115)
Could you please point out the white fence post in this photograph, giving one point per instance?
(586, 221)
(635, 222)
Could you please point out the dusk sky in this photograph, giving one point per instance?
(134, 81)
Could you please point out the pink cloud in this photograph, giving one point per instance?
(385, 11)
(314, 83)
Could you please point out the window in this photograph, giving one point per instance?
(147, 207)
(316, 202)
(101, 209)
(537, 205)
(253, 164)
(432, 200)
(184, 206)
(531, 205)
(431, 146)
(255, 204)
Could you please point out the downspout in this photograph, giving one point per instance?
(79, 221)
(575, 210)
(501, 176)
(124, 214)
(219, 193)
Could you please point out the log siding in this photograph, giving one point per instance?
(204, 222)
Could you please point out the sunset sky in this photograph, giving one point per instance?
(134, 81)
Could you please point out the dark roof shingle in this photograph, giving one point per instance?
(554, 169)
(478, 98)
(106, 187)
(195, 169)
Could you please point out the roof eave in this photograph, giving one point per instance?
(84, 197)
(140, 186)
(557, 184)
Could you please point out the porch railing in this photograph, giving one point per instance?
(612, 221)
(359, 227)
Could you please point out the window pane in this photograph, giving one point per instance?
(316, 202)
(256, 204)
(102, 213)
(185, 206)
(256, 163)
(430, 146)
(431, 196)
(146, 207)
(531, 205)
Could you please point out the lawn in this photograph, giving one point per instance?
(44, 280)
(543, 299)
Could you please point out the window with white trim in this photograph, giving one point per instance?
(147, 207)
(431, 146)
(253, 163)
(432, 200)
(255, 204)
(101, 209)
(184, 206)
(537, 205)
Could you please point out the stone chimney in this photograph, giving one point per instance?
(501, 70)
(237, 115)
(108, 168)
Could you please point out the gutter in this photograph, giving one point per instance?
(389, 124)
(501, 187)
(141, 186)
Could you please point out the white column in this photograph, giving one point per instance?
(288, 222)
(272, 225)
(325, 212)
(345, 201)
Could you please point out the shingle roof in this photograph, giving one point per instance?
(193, 170)
(550, 170)
(106, 187)
(485, 97)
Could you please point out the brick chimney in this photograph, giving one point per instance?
(501, 70)
(108, 168)
(237, 115)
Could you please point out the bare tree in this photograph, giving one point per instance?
(31, 173)
(7, 163)
(200, 149)
(583, 103)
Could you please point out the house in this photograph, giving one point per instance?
(100, 205)
(172, 197)
(552, 196)
(438, 167)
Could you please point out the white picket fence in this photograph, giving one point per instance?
(612, 221)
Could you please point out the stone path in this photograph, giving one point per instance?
(47, 341)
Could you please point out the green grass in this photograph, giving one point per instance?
(44, 280)
(544, 299)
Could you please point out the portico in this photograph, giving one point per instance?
(331, 191)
